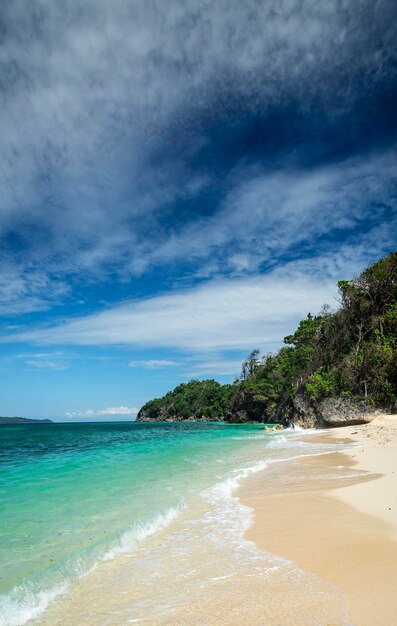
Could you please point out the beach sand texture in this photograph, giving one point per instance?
(341, 529)
(321, 549)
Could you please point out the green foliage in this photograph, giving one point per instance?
(351, 352)
(320, 384)
(250, 365)
(197, 399)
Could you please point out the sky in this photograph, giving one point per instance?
(181, 181)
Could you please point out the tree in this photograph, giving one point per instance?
(250, 365)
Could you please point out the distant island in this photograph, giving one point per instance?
(23, 420)
(337, 368)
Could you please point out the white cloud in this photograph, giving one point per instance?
(88, 413)
(112, 410)
(268, 215)
(218, 315)
(118, 410)
(213, 367)
(88, 100)
(153, 364)
(24, 290)
(54, 360)
(42, 364)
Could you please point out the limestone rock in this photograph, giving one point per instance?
(345, 412)
(331, 412)
(304, 413)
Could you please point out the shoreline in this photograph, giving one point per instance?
(340, 522)
(337, 565)
(205, 551)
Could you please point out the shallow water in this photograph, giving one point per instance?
(139, 523)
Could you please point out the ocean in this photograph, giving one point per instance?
(119, 523)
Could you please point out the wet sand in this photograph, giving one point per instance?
(337, 518)
(325, 527)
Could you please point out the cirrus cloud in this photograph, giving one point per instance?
(153, 364)
(138, 135)
(222, 314)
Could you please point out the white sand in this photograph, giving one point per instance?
(346, 535)
(376, 452)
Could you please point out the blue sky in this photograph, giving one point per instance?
(181, 182)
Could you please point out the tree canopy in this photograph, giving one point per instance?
(197, 399)
(351, 352)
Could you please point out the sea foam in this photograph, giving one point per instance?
(141, 531)
(24, 603)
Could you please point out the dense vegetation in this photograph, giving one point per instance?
(206, 399)
(349, 353)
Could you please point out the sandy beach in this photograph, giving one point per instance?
(318, 511)
(340, 522)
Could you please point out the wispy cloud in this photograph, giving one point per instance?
(215, 366)
(26, 290)
(44, 360)
(44, 364)
(153, 364)
(181, 182)
(111, 411)
(266, 216)
(222, 314)
(142, 134)
(87, 413)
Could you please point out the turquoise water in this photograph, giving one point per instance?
(73, 494)
(90, 502)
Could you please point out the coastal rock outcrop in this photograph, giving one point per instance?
(346, 412)
(237, 417)
(331, 412)
(304, 413)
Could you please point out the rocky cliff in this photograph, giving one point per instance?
(331, 412)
